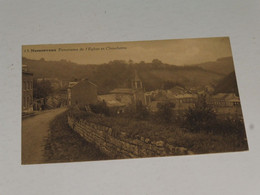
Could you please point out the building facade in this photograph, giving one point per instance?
(27, 90)
(138, 90)
(226, 105)
(82, 93)
(129, 96)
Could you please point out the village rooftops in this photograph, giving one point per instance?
(224, 96)
(182, 96)
(72, 84)
(121, 91)
(236, 99)
(177, 90)
(112, 101)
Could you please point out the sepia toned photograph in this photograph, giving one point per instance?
(123, 100)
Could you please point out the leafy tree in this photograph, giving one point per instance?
(165, 112)
(156, 64)
(141, 111)
(41, 89)
(100, 108)
(156, 61)
(131, 62)
(200, 117)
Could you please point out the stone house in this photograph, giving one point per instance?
(226, 105)
(133, 95)
(82, 93)
(27, 90)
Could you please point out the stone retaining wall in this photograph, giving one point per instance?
(120, 146)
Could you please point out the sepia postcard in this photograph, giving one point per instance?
(122, 100)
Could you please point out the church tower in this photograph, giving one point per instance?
(138, 90)
(136, 82)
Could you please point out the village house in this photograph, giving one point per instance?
(115, 104)
(82, 93)
(27, 90)
(226, 105)
(120, 98)
(182, 101)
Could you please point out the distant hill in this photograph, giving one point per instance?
(118, 74)
(227, 85)
(222, 65)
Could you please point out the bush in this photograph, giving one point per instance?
(138, 111)
(201, 117)
(165, 112)
(100, 108)
(141, 111)
(78, 113)
(229, 127)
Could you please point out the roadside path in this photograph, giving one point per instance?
(34, 131)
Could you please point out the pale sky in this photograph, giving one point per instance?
(177, 52)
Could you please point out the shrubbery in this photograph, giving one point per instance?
(79, 113)
(141, 111)
(200, 117)
(165, 112)
(203, 118)
(100, 108)
(138, 111)
(207, 135)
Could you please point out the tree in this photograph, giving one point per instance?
(141, 111)
(100, 108)
(156, 61)
(200, 117)
(165, 112)
(41, 89)
(131, 62)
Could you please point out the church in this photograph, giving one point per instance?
(127, 96)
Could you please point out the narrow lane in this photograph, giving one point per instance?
(34, 131)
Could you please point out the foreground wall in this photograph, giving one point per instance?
(119, 146)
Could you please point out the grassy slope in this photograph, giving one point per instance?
(65, 145)
(197, 142)
(222, 65)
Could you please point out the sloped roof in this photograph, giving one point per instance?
(72, 84)
(224, 96)
(177, 90)
(111, 100)
(180, 96)
(235, 99)
(122, 91)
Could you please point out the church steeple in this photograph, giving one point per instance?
(136, 82)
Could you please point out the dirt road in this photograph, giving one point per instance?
(34, 131)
